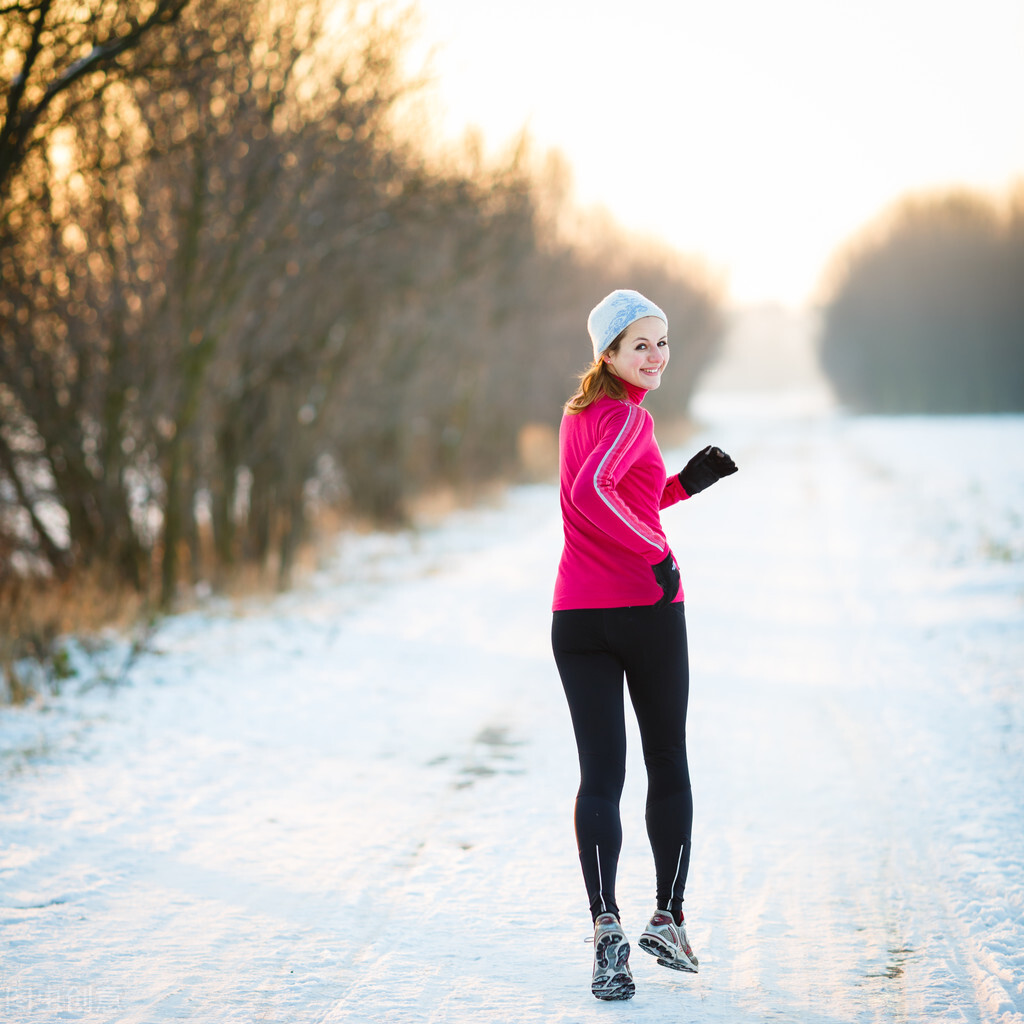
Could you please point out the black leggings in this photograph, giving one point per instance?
(594, 648)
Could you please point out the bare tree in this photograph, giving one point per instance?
(58, 54)
(233, 294)
(926, 311)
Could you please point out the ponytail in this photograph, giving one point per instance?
(596, 381)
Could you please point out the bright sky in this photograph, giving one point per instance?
(757, 135)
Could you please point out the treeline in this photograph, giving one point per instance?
(925, 312)
(237, 296)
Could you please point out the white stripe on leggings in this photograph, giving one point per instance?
(679, 867)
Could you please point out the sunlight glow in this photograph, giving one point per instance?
(780, 128)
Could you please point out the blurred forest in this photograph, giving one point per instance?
(239, 300)
(925, 311)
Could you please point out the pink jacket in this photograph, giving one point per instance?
(613, 487)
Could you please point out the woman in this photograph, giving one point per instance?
(618, 612)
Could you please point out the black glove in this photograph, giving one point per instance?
(666, 572)
(705, 468)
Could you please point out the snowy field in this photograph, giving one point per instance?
(354, 803)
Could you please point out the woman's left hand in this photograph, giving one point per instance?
(666, 572)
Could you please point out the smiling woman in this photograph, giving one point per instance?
(630, 337)
(618, 613)
(642, 353)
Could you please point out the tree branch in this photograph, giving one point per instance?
(55, 555)
(18, 128)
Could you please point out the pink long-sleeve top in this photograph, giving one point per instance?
(613, 488)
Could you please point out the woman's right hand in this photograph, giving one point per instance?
(705, 468)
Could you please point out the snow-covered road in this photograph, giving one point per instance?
(354, 803)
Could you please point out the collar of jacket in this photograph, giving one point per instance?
(634, 392)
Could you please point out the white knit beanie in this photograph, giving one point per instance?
(614, 313)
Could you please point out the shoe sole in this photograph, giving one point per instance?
(666, 955)
(612, 979)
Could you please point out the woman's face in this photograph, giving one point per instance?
(642, 354)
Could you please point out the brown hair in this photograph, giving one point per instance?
(597, 380)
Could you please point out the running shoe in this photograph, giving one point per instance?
(667, 941)
(612, 977)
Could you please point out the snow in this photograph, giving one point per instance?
(353, 802)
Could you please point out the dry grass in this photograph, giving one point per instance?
(37, 613)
